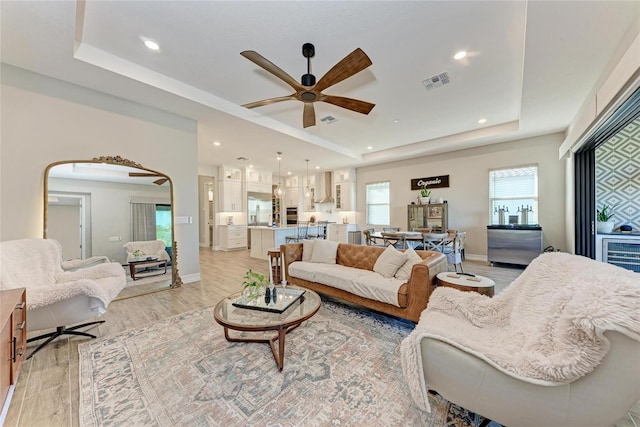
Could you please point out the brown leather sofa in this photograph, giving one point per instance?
(412, 296)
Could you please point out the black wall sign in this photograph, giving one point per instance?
(432, 182)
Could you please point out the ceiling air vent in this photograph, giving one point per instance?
(437, 81)
(329, 119)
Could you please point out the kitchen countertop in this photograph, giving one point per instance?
(514, 227)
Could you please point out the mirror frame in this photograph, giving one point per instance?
(176, 280)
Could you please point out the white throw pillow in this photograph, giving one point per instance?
(307, 249)
(389, 262)
(404, 272)
(324, 252)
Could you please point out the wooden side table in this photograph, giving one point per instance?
(482, 285)
(275, 264)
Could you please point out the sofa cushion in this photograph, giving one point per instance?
(404, 272)
(303, 270)
(372, 285)
(389, 262)
(307, 249)
(324, 252)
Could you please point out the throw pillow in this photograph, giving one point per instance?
(324, 252)
(404, 272)
(307, 249)
(389, 262)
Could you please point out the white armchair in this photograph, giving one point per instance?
(57, 298)
(559, 346)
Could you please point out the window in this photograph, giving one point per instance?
(512, 190)
(163, 224)
(377, 199)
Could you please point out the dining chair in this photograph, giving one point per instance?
(422, 229)
(434, 241)
(397, 240)
(321, 231)
(451, 249)
(390, 229)
(303, 229)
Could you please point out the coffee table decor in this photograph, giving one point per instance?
(276, 300)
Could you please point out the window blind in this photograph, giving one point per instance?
(513, 189)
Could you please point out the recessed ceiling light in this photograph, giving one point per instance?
(481, 121)
(152, 45)
(288, 173)
(396, 121)
(317, 167)
(216, 143)
(460, 55)
(250, 166)
(369, 148)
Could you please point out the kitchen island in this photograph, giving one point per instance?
(264, 238)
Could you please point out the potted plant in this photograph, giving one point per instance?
(603, 217)
(424, 195)
(254, 284)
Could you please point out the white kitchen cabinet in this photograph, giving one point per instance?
(231, 197)
(258, 181)
(232, 237)
(345, 195)
(344, 175)
(291, 182)
(291, 197)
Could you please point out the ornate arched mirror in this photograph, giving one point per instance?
(95, 207)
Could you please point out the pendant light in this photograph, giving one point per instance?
(279, 191)
(307, 190)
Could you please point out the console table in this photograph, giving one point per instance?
(13, 341)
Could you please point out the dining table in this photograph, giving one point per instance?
(413, 239)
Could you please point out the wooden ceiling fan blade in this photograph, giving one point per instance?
(351, 64)
(270, 101)
(160, 181)
(362, 107)
(309, 115)
(272, 68)
(142, 174)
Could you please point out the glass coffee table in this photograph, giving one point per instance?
(298, 304)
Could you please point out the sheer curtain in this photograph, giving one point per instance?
(143, 221)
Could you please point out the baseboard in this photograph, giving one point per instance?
(476, 257)
(190, 278)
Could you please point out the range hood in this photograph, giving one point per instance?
(324, 189)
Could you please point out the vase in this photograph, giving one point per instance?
(424, 200)
(605, 226)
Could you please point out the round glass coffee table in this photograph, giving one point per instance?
(294, 306)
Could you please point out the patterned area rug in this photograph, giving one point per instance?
(342, 367)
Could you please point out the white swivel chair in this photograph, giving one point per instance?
(560, 346)
(57, 298)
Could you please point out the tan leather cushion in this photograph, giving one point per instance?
(358, 256)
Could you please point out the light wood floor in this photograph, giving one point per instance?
(47, 392)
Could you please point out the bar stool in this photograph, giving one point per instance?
(275, 267)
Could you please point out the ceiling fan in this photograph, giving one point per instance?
(308, 91)
(158, 181)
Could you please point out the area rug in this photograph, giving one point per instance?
(341, 367)
(146, 280)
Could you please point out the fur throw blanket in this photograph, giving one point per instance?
(36, 264)
(546, 328)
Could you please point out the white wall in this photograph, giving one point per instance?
(45, 120)
(468, 193)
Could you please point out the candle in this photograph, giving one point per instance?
(270, 270)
